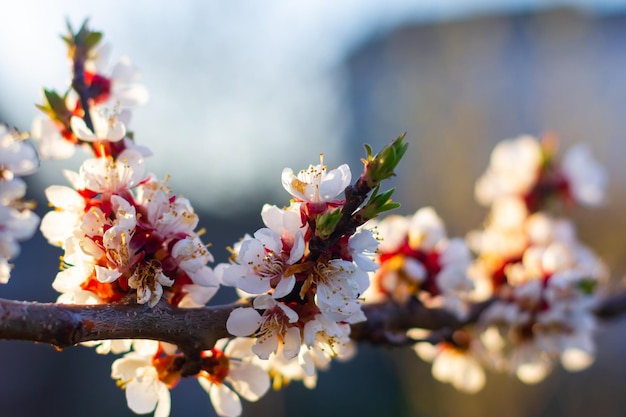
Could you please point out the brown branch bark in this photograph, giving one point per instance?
(194, 330)
(64, 325)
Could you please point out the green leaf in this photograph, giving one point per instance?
(382, 165)
(378, 203)
(92, 39)
(587, 286)
(326, 223)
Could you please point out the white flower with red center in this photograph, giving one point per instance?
(339, 284)
(324, 340)
(229, 372)
(287, 223)
(137, 374)
(191, 255)
(274, 330)
(548, 311)
(262, 264)
(514, 169)
(168, 215)
(105, 175)
(148, 240)
(105, 127)
(586, 178)
(110, 239)
(317, 185)
(417, 259)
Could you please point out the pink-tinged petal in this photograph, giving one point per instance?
(225, 402)
(243, 321)
(249, 380)
(106, 275)
(284, 287)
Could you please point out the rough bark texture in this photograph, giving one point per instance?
(194, 330)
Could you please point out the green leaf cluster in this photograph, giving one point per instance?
(382, 165)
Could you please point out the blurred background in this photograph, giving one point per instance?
(239, 90)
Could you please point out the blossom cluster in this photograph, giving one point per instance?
(124, 233)
(417, 259)
(545, 279)
(306, 275)
(127, 238)
(536, 280)
(17, 220)
(228, 370)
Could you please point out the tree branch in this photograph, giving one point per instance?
(194, 330)
(64, 325)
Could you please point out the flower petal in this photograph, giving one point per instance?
(225, 402)
(243, 321)
(249, 380)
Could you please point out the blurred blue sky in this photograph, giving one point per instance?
(239, 89)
